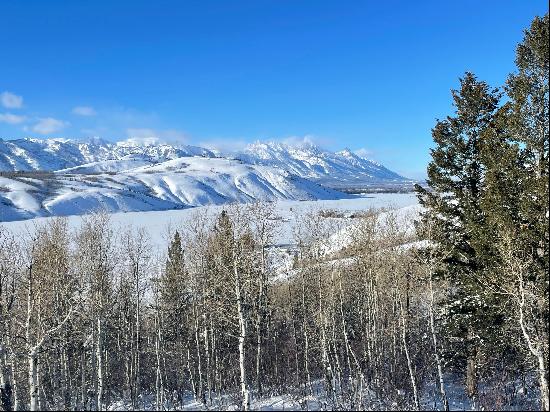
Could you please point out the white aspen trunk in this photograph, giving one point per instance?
(242, 357)
(535, 350)
(306, 360)
(33, 380)
(260, 318)
(216, 361)
(259, 348)
(199, 393)
(190, 370)
(436, 349)
(407, 355)
(138, 337)
(39, 385)
(15, 387)
(159, 385)
(99, 358)
(67, 384)
(208, 359)
(245, 402)
(83, 380)
(5, 383)
(329, 375)
(31, 352)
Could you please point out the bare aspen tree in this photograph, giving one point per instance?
(10, 261)
(95, 262)
(429, 261)
(47, 277)
(529, 302)
(136, 255)
(262, 217)
(159, 381)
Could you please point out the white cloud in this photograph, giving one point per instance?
(84, 111)
(151, 136)
(363, 152)
(10, 100)
(49, 125)
(11, 118)
(141, 134)
(306, 140)
(224, 146)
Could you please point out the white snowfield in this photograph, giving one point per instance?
(159, 224)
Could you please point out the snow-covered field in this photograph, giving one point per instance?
(159, 223)
(296, 401)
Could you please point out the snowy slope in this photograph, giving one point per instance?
(343, 169)
(178, 183)
(43, 177)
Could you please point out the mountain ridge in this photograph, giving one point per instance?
(305, 159)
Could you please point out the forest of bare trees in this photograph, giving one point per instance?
(91, 317)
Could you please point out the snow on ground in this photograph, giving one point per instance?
(295, 400)
(19, 194)
(159, 223)
(109, 166)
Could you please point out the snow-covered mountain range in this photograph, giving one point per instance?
(340, 170)
(43, 177)
(55, 154)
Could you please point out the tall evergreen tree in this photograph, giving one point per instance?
(453, 207)
(172, 289)
(529, 126)
(516, 196)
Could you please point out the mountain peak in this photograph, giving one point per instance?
(346, 152)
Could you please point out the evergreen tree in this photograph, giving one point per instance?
(528, 123)
(453, 207)
(516, 196)
(172, 289)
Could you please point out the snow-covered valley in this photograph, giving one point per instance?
(159, 224)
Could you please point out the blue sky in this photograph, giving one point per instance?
(371, 76)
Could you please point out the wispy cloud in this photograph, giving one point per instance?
(10, 100)
(308, 139)
(49, 125)
(226, 146)
(84, 111)
(10, 118)
(301, 140)
(150, 136)
(364, 152)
